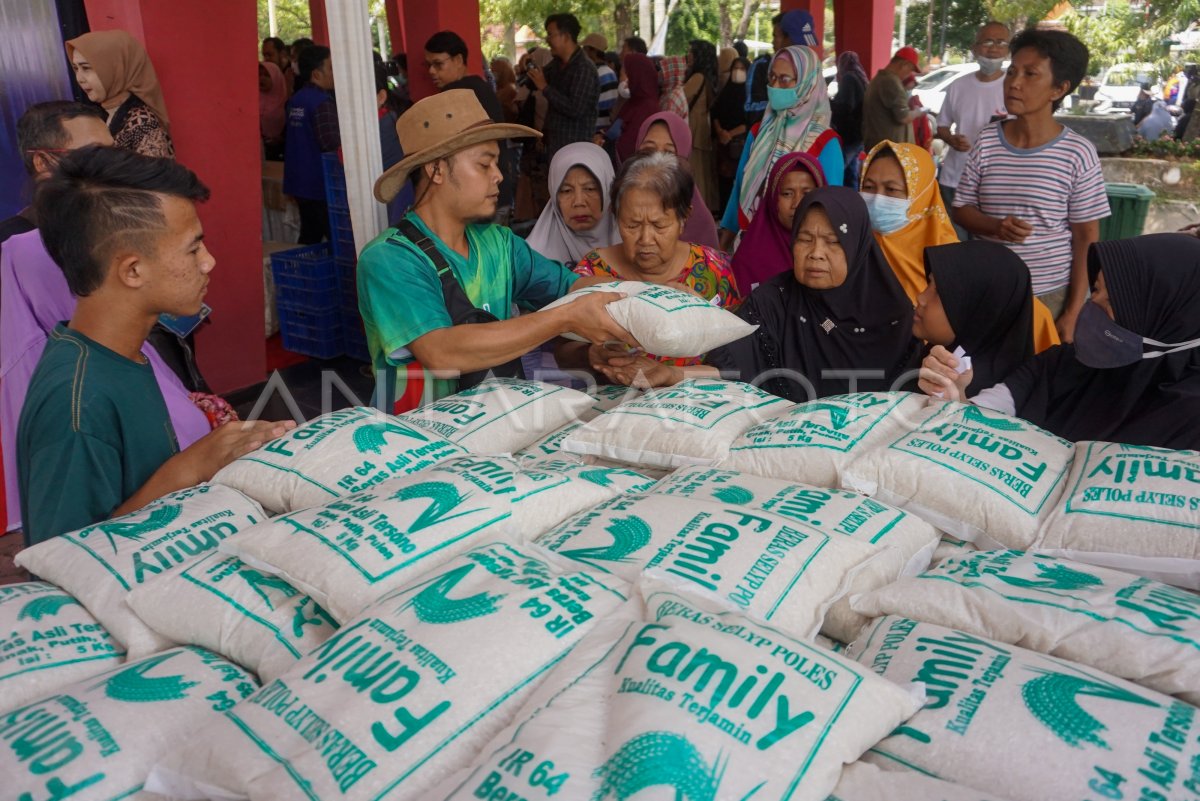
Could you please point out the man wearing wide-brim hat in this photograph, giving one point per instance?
(439, 288)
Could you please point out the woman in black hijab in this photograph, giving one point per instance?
(1133, 374)
(979, 298)
(813, 325)
(838, 322)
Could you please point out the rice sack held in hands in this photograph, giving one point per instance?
(437, 291)
(652, 201)
(95, 440)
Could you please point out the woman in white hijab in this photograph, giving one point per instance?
(577, 220)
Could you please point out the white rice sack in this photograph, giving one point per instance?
(814, 442)
(501, 415)
(608, 396)
(1138, 506)
(405, 694)
(781, 720)
(691, 423)
(976, 474)
(862, 781)
(1125, 625)
(532, 759)
(336, 454)
(903, 543)
(949, 548)
(745, 559)
(47, 640)
(99, 737)
(666, 321)
(551, 490)
(550, 446)
(348, 553)
(1026, 726)
(250, 617)
(100, 564)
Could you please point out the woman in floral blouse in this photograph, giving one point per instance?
(651, 199)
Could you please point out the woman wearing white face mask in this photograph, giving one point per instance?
(797, 119)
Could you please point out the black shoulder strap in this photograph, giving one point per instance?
(414, 235)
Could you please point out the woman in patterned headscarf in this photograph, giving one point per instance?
(797, 119)
(674, 74)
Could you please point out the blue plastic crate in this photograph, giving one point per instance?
(335, 183)
(348, 282)
(341, 236)
(354, 341)
(305, 278)
(312, 333)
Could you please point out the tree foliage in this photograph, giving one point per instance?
(963, 18)
(1123, 33)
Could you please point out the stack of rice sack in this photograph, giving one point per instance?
(489, 598)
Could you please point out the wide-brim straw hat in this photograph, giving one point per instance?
(437, 126)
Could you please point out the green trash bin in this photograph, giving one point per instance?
(1129, 204)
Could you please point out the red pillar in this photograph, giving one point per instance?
(395, 19)
(213, 105)
(865, 26)
(422, 19)
(814, 7)
(319, 24)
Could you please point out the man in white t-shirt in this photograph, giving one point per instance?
(971, 103)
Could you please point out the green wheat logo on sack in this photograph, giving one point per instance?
(630, 535)
(738, 496)
(301, 618)
(1053, 698)
(157, 520)
(657, 759)
(132, 685)
(443, 499)
(973, 414)
(600, 477)
(1055, 576)
(839, 416)
(371, 438)
(262, 584)
(45, 607)
(432, 604)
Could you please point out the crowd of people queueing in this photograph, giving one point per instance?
(850, 290)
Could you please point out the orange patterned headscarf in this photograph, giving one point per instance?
(928, 222)
(122, 65)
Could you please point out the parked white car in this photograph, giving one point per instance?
(1120, 86)
(932, 86)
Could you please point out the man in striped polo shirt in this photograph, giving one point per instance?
(1035, 184)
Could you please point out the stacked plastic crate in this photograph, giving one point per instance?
(345, 258)
(306, 293)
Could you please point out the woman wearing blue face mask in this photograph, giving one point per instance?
(1133, 373)
(797, 120)
(899, 186)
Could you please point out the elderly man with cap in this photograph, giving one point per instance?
(437, 290)
(886, 113)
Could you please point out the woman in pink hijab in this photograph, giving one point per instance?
(766, 247)
(668, 132)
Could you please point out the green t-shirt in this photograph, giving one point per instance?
(93, 430)
(400, 294)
